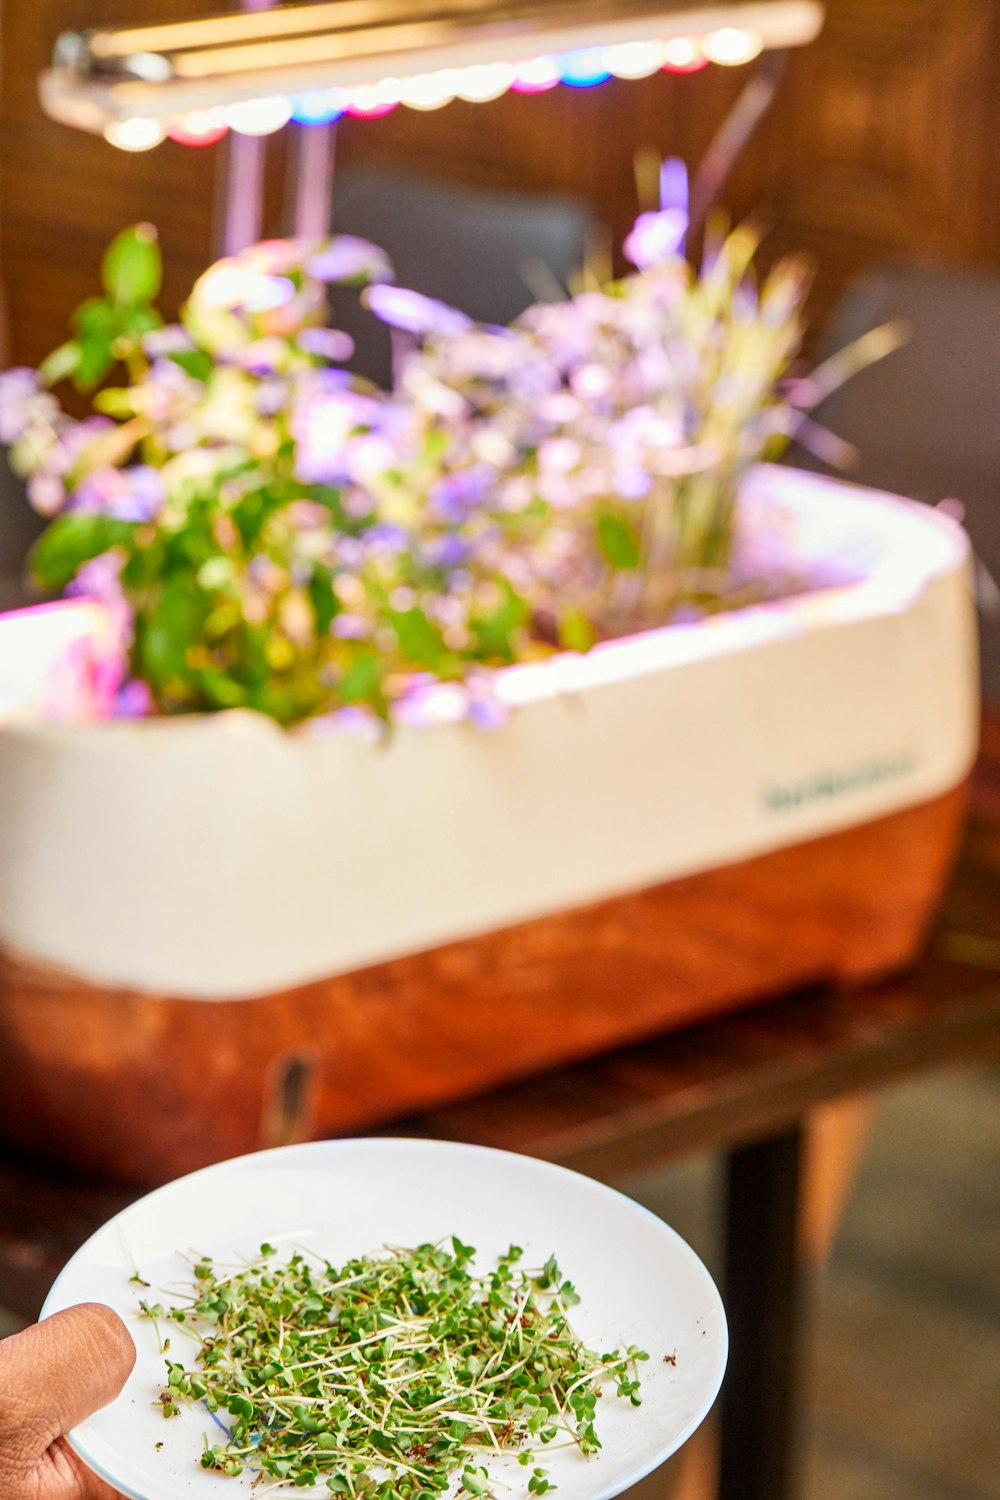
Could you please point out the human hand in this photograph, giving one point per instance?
(52, 1376)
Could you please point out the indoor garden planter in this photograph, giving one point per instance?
(219, 933)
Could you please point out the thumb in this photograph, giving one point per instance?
(52, 1376)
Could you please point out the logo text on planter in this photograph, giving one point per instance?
(827, 785)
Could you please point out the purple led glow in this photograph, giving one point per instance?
(60, 661)
(200, 127)
(371, 100)
(536, 76)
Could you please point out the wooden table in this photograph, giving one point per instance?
(741, 1086)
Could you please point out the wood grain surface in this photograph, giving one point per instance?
(143, 1087)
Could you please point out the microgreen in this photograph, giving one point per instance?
(392, 1375)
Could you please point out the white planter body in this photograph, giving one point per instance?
(221, 857)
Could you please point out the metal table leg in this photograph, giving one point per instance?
(762, 1293)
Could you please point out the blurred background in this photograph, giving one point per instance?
(882, 148)
(881, 160)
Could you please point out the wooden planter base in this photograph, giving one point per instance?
(144, 1087)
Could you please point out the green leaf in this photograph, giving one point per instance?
(143, 565)
(171, 626)
(194, 362)
(419, 640)
(114, 401)
(61, 363)
(132, 267)
(617, 541)
(94, 363)
(576, 632)
(495, 630)
(96, 326)
(362, 682)
(70, 541)
(326, 605)
(137, 321)
(96, 318)
(220, 690)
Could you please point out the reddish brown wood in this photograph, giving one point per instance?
(142, 1087)
(731, 1080)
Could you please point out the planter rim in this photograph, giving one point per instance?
(936, 545)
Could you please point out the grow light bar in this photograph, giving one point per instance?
(253, 72)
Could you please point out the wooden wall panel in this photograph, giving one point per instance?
(884, 145)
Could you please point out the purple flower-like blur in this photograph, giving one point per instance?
(133, 494)
(162, 342)
(520, 489)
(448, 551)
(347, 258)
(454, 496)
(56, 456)
(656, 237)
(324, 418)
(484, 709)
(327, 343)
(388, 539)
(24, 404)
(134, 700)
(414, 313)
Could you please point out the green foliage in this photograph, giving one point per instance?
(617, 541)
(72, 540)
(132, 269)
(109, 330)
(387, 1377)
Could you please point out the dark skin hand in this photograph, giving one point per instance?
(52, 1376)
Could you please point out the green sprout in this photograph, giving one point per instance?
(389, 1376)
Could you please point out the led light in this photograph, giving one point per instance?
(483, 82)
(583, 68)
(259, 116)
(319, 106)
(200, 127)
(536, 75)
(634, 59)
(369, 100)
(731, 47)
(682, 54)
(134, 135)
(299, 51)
(429, 90)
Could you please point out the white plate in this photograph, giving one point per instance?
(639, 1284)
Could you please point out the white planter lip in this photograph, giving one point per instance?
(935, 545)
(220, 856)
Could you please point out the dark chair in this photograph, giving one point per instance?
(490, 254)
(927, 418)
(19, 526)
